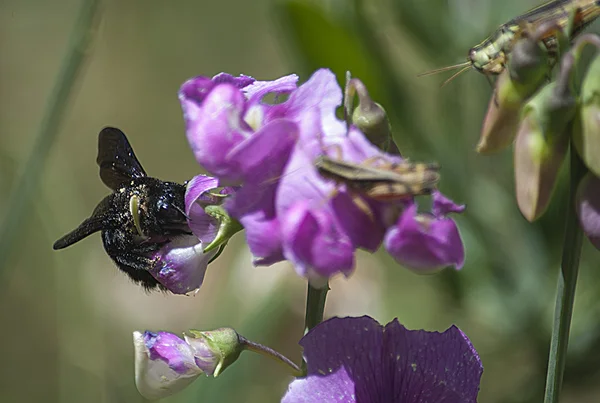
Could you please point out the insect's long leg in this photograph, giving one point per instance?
(356, 199)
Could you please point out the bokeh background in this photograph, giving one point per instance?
(67, 317)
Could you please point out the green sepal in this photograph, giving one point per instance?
(227, 227)
(224, 343)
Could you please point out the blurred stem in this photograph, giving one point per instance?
(272, 354)
(565, 293)
(396, 90)
(19, 204)
(315, 306)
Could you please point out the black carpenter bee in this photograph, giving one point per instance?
(138, 218)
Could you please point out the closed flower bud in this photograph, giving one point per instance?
(526, 72)
(369, 116)
(541, 146)
(165, 364)
(587, 136)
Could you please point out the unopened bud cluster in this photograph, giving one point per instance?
(542, 117)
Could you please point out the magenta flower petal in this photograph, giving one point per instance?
(358, 148)
(258, 89)
(197, 88)
(320, 93)
(336, 387)
(442, 206)
(164, 364)
(264, 238)
(214, 127)
(253, 206)
(363, 229)
(425, 243)
(262, 156)
(312, 241)
(171, 349)
(202, 225)
(181, 264)
(240, 82)
(196, 190)
(588, 208)
(358, 360)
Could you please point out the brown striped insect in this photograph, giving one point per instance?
(385, 181)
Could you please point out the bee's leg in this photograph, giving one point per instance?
(132, 257)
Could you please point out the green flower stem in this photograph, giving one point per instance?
(315, 306)
(272, 354)
(565, 293)
(19, 203)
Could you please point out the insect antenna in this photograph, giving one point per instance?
(453, 76)
(462, 66)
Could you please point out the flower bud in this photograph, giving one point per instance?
(587, 135)
(369, 116)
(541, 145)
(165, 364)
(527, 69)
(588, 207)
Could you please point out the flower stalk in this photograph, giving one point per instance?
(565, 293)
(315, 306)
(272, 354)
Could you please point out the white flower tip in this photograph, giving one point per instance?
(154, 379)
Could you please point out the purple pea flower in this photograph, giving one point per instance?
(289, 211)
(166, 363)
(358, 360)
(427, 242)
(227, 128)
(182, 262)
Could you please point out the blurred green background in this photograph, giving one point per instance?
(67, 317)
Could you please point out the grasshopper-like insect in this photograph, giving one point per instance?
(384, 182)
(490, 56)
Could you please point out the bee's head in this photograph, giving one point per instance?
(161, 211)
(167, 205)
